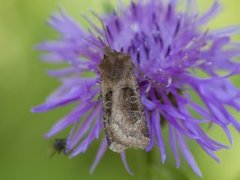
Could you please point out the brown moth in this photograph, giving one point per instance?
(124, 120)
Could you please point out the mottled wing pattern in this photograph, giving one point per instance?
(124, 119)
(107, 120)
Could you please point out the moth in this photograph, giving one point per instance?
(124, 120)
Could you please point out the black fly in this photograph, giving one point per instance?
(57, 146)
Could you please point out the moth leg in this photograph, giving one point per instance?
(99, 96)
(141, 72)
(152, 81)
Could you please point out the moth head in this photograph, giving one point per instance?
(114, 65)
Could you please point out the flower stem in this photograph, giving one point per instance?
(150, 163)
(146, 163)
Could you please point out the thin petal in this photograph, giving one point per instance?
(85, 143)
(124, 160)
(151, 131)
(148, 104)
(102, 149)
(173, 144)
(212, 12)
(187, 154)
(75, 115)
(158, 133)
(85, 126)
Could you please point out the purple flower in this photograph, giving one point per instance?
(180, 58)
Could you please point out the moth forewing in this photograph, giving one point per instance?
(124, 120)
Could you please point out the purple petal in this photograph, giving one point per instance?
(151, 131)
(85, 126)
(173, 144)
(148, 104)
(65, 24)
(225, 31)
(92, 135)
(210, 153)
(69, 119)
(158, 133)
(72, 96)
(63, 72)
(124, 160)
(187, 154)
(54, 58)
(212, 12)
(102, 149)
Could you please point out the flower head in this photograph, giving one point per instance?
(172, 49)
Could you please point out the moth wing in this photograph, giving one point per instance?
(128, 125)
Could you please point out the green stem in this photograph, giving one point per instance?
(150, 158)
(149, 165)
(146, 161)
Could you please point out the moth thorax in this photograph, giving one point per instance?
(115, 65)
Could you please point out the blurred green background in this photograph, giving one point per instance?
(23, 84)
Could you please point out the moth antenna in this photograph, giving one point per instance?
(93, 43)
(101, 41)
(104, 27)
(92, 25)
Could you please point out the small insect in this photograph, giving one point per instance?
(58, 146)
(124, 120)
